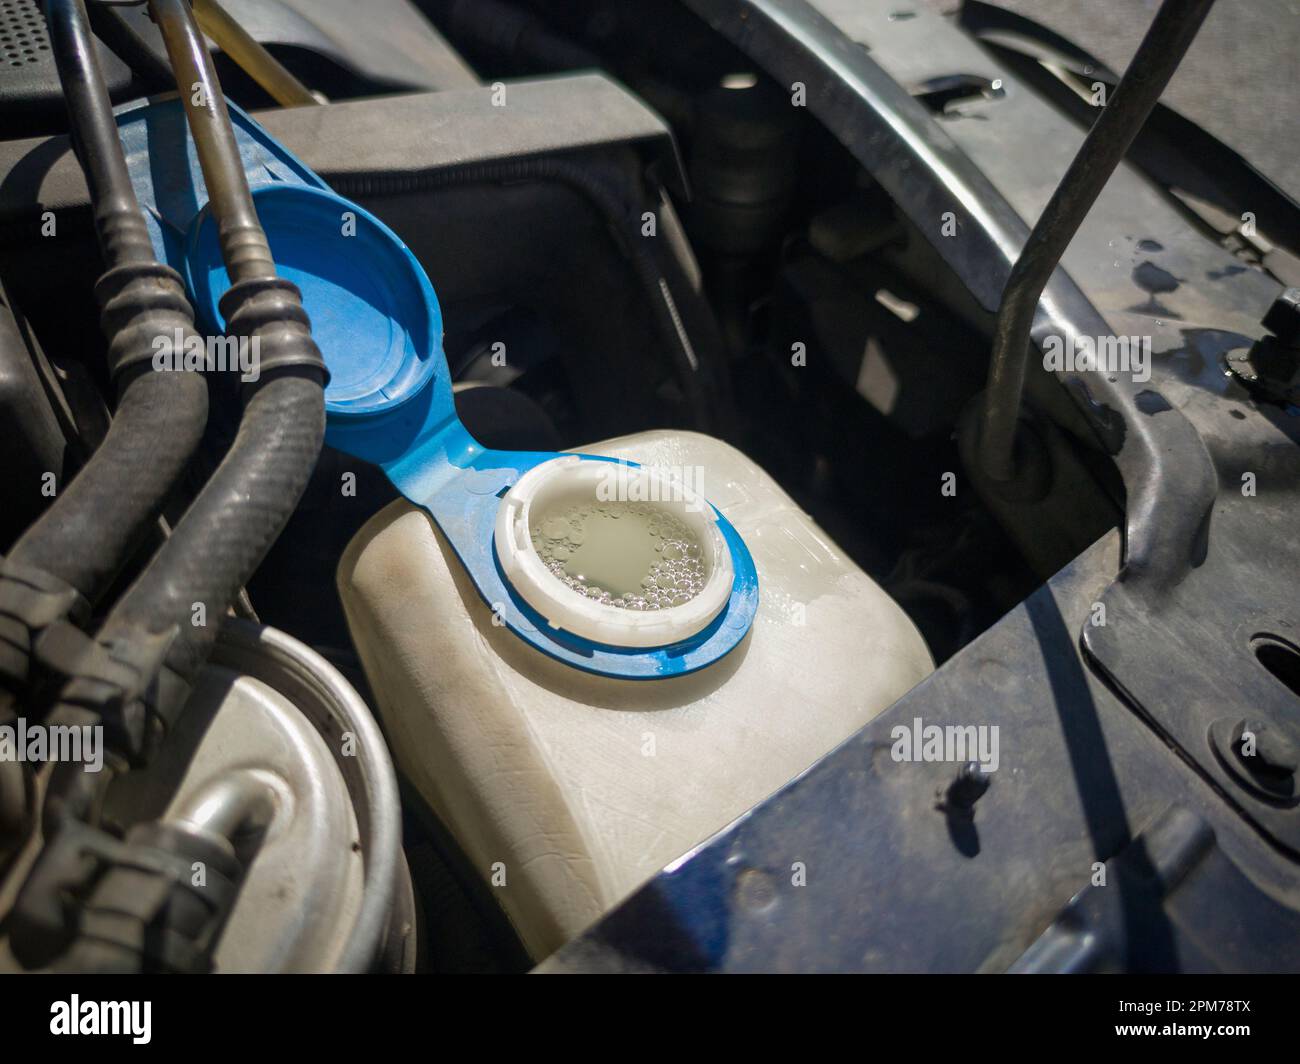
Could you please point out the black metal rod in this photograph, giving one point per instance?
(1162, 49)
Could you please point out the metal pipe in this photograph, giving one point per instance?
(243, 243)
(248, 52)
(119, 223)
(234, 807)
(1162, 49)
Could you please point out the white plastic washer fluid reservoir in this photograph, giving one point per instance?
(567, 789)
(572, 483)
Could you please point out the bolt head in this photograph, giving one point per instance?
(969, 786)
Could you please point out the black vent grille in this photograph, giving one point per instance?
(23, 39)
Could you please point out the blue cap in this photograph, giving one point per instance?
(374, 314)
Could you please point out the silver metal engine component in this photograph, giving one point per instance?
(277, 752)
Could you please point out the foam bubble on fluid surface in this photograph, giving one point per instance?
(630, 555)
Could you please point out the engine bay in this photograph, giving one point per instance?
(720, 485)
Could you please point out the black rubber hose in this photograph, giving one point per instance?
(137, 676)
(227, 531)
(106, 509)
(103, 512)
(623, 224)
